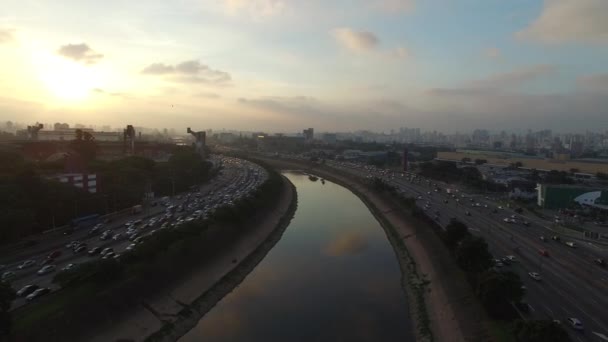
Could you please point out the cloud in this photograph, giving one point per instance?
(567, 21)
(191, 71)
(359, 41)
(256, 9)
(492, 53)
(347, 244)
(394, 6)
(596, 82)
(6, 35)
(207, 95)
(115, 94)
(399, 53)
(80, 53)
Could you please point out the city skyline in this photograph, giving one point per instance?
(281, 65)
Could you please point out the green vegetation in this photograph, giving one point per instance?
(105, 287)
(539, 331)
(30, 202)
(472, 255)
(7, 295)
(450, 173)
(455, 231)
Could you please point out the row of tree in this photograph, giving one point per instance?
(31, 202)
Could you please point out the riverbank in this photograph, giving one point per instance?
(170, 314)
(440, 298)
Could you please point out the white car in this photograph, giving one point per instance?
(106, 251)
(131, 247)
(571, 244)
(511, 258)
(47, 269)
(26, 264)
(575, 323)
(535, 276)
(69, 267)
(117, 237)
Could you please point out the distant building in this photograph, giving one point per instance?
(565, 196)
(70, 134)
(309, 134)
(84, 181)
(330, 138)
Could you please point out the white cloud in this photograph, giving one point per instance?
(6, 35)
(394, 6)
(80, 53)
(493, 53)
(359, 41)
(565, 21)
(255, 8)
(191, 71)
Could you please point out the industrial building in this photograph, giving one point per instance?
(565, 196)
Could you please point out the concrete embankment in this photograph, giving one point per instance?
(442, 303)
(178, 309)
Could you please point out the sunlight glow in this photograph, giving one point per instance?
(67, 80)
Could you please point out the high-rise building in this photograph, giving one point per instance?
(309, 134)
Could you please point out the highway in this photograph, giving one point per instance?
(572, 284)
(237, 179)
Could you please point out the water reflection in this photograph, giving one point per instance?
(332, 277)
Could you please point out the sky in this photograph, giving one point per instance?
(284, 65)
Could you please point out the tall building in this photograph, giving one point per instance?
(309, 134)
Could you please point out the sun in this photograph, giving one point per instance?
(68, 80)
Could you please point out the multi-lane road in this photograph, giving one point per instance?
(572, 284)
(237, 179)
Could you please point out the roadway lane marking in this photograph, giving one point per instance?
(531, 307)
(602, 336)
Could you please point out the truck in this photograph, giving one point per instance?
(136, 209)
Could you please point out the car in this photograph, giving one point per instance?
(506, 220)
(26, 264)
(600, 262)
(47, 269)
(543, 252)
(54, 254)
(105, 236)
(523, 307)
(555, 238)
(80, 249)
(80, 244)
(498, 263)
(106, 251)
(575, 323)
(8, 275)
(71, 244)
(108, 255)
(526, 223)
(542, 238)
(511, 258)
(506, 261)
(117, 237)
(131, 247)
(94, 250)
(47, 261)
(571, 244)
(69, 267)
(535, 276)
(27, 289)
(468, 213)
(38, 293)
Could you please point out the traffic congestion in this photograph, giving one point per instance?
(33, 277)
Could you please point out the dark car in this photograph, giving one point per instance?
(54, 254)
(523, 307)
(80, 249)
(95, 250)
(47, 261)
(27, 289)
(600, 262)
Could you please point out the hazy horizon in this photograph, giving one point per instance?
(284, 65)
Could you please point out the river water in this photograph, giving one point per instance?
(333, 276)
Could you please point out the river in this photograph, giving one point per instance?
(333, 276)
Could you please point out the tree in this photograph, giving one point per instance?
(539, 331)
(455, 231)
(473, 256)
(498, 290)
(7, 295)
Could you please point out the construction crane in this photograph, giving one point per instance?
(199, 144)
